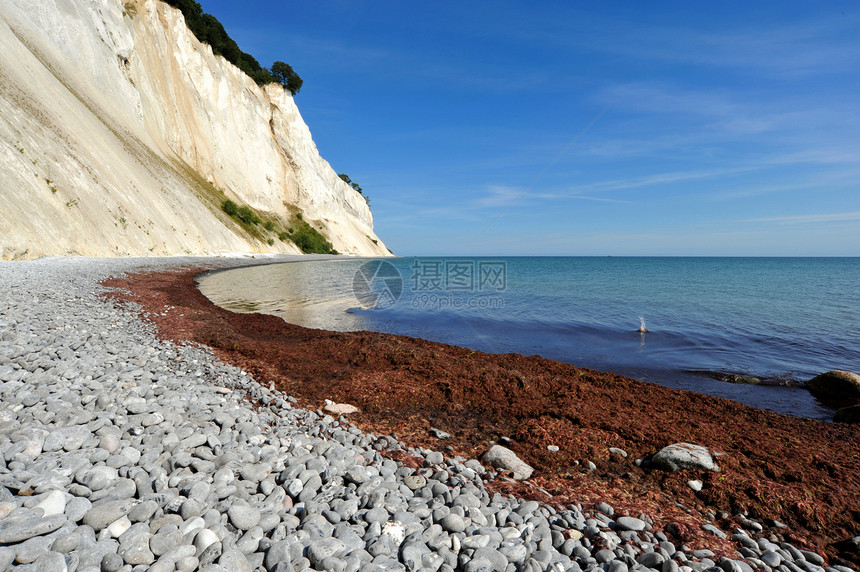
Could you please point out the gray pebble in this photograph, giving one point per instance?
(105, 512)
(771, 558)
(812, 557)
(630, 523)
(453, 523)
(13, 530)
(29, 550)
(651, 560)
(66, 542)
(142, 511)
(439, 434)
(234, 561)
(243, 517)
(47, 562)
(111, 563)
(604, 556)
(711, 529)
(321, 549)
(134, 545)
(165, 539)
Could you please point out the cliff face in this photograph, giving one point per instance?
(121, 134)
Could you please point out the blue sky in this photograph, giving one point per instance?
(587, 128)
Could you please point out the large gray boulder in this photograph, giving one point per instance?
(682, 456)
(503, 458)
(847, 415)
(836, 387)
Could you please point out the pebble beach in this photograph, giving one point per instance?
(120, 450)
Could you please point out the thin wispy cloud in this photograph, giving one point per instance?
(630, 146)
(798, 50)
(837, 178)
(730, 112)
(498, 197)
(728, 128)
(847, 154)
(758, 190)
(660, 179)
(786, 49)
(595, 199)
(806, 219)
(656, 97)
(806, 117)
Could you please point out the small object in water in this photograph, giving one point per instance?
(642, 329)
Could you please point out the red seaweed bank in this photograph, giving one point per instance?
(780, 477)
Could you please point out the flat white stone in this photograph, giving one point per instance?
(340, 409)
(53, 503)
(117, 527)
(503, 458)
(680, 456)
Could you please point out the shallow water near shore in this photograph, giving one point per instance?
(776, 319)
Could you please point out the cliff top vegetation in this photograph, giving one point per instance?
(209, 30)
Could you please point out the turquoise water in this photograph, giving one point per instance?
(777, 319)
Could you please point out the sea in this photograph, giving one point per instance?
(700, 324)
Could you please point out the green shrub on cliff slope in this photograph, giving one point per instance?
(229, 207)
(309, 239)
(305, 236)
(247, 215)
(243, 214)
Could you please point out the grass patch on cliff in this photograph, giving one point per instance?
(300, 232)
(309, 240)
(306, 237)
(244, 214)
(246, 217)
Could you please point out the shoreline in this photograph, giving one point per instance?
(406, 386)
(721, 363)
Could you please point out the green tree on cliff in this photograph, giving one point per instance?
(209, 30)
(284, 75)
(345, 178)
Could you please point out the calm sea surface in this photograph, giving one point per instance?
(777, 319)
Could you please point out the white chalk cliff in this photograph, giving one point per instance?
(121, 135)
